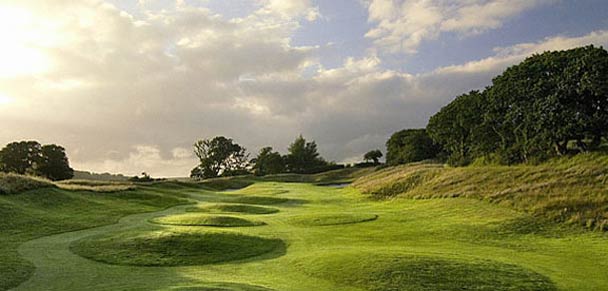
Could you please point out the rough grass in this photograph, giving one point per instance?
(233, 208)
(332, 219)
(335, 176)
(170, 248)
(379, 272)
(572, 190)
(13, 183)
(195, 219)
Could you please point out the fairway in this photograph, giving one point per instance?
(319, 238)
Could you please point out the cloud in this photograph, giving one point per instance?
(131, 94)
(402, 25)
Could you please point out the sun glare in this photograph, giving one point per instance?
(5, 99)
(19, 52)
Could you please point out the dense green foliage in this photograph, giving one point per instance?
(303, 157)
(551, 104)
(410, 145)
(219, 156)
(30, 157)
(373, 156)
(268, 162)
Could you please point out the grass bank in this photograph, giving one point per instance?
(571, 190)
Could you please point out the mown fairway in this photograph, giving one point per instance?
(321, 238)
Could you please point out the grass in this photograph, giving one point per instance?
(195, 219)
(259, 200)
(573, 190)
(233, 208)
(332, 219)
(13, 183)
(173, 248)
(465, 243)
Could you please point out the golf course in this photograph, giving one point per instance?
(270, 235)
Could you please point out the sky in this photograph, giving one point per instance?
(128, 86)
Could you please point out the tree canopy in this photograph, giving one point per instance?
(373, 156)
(550, 104)
(303, 157)
(410, 145)
(30, 157)
(268, 162)
(219, 156)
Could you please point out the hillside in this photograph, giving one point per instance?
(572, 190)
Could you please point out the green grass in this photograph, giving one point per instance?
(572, 190)
(259, 200)
(195, 219)
(233, 208)
(426, 273)
(332, 219)
(413, 244)
(173, 248)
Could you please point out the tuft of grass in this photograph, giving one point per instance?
(571, 190)
(170, 248)
(195, 219)
(332, 219)
(13, 183)
(233, 208)
(379, 271)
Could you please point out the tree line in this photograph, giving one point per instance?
(551, 104)
(32, 158)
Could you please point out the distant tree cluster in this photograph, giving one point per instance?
(551, 104)
(32, 158)
(222, 156)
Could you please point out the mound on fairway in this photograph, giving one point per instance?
(332, 219)
(165, 248)
(222, 287)
(260, 200)
(421, 273)
(196, 219)
(233, 208)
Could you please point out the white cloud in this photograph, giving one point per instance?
(402, 25)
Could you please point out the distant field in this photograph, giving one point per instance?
(299, 236)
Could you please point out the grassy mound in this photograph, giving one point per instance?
(259, 200)
(332, 219)
(572, 190)
(222, 287)
(13, 183)
(165, 248)
(233, 208)
(420, 273)
(195, 219)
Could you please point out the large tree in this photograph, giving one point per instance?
(548, 101)
(219, 156)
(303, 156)
(410, 145)
(373, 156)
(54, 163)
(458, 128)
(268, 162)
(30, 157)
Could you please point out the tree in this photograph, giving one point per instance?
(54, 163)
(219, 156)
(373, 156)
(458, 128)
(268, 162)
(410, 145)
(303, 157)
(21, 157)
(542, 104)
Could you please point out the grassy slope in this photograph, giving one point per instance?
(433, 244)
(50, 210)
(572, 190)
